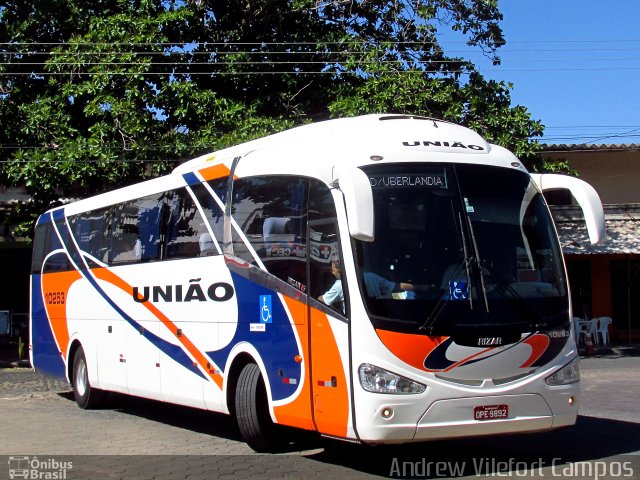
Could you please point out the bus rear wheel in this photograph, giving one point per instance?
(86, 396)
(252, 412)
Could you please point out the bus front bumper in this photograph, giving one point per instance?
(451, 418)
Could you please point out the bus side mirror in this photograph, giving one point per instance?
(358, 199)
(585, 195)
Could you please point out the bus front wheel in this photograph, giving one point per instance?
(252, 412)
(86, 396)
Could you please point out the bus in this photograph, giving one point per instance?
(378, 279)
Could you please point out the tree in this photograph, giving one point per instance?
(101, 93)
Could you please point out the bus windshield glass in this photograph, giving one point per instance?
(460, 250)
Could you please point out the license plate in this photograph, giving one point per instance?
(490, 412)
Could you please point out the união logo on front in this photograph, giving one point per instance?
(37, 468)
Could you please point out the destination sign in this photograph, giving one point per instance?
(409, 180)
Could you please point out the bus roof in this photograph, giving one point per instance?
(317, 149)
(321, 149)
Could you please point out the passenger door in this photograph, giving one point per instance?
(328, 324)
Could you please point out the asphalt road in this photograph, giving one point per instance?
(42, 428)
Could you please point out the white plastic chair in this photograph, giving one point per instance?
(603, 329)
(586, 327)
(576, 328)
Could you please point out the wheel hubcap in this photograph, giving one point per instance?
(81, 378)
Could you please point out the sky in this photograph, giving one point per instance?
(575, 65)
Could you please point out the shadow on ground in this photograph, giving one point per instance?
(590, 439)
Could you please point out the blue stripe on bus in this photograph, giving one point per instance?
(58, 214)
(191, 178)
(276, 345)
(46, 357)
(44, 218)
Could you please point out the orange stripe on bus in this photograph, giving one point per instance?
(538, 344)
(55, 292)
(409, 348)
(215, 171)
(298, 412)
(108, 276)
(330, 404)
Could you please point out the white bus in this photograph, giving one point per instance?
(378, 279)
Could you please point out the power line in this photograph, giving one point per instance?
(323, 72)
(335, 42)
(345, 52)
(620, 135)
(300, 62)
(271, 51)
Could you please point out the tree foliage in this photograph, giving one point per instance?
(100, 93)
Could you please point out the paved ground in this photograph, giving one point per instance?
(135, 438)
(119, 429)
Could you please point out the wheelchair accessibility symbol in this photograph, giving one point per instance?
(458, 290)
(265, 309)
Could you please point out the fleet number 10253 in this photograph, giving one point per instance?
(54, 298)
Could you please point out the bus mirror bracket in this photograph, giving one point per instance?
(358, 198)
(585, 195)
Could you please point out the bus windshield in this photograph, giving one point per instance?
(460, 250)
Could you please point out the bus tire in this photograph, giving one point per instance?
(86, 396)
(252, 412)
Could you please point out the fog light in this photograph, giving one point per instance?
(387, 412)
(572, 400)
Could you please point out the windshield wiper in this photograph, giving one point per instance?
(478, 261)
(468, 260)
(442, 301)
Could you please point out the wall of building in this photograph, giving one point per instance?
(613, 173)
(607, 282)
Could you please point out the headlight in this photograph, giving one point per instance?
(377, 380)
(570, 373)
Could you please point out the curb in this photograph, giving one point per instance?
(613, 351)
(15, 364)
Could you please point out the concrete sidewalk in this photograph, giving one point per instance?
(610, 351)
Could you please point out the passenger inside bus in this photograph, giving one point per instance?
(334, 297)
(376, 287)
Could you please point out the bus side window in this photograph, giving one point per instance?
(214, 215)
(45, 242)
(135, 230)
(39, 247)
(91, 232)
(125, 245)
(324, 244)
(186, 227)
(250, 195)
(272, 214)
